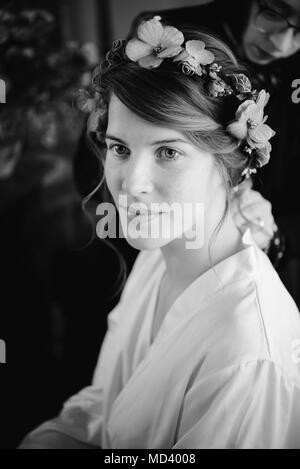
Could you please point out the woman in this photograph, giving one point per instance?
(202, 349)
(264, 35)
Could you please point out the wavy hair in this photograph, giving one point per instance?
(166, 96)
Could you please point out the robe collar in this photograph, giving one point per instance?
(206, 287)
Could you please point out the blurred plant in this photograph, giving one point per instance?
(41, 84)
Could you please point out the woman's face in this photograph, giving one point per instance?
(151, 167)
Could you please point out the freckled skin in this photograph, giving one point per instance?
(144, 177)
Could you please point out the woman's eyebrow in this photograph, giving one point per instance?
(158, 142)
(112, 137)
(168, 141)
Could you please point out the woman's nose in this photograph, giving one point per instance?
(283, 41)
(137, 177)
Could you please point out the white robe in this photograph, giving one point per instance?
(222, 372)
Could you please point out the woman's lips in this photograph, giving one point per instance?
(144, 216)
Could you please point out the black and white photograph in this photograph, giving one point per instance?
(150, 227)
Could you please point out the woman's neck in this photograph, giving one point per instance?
(184, 265)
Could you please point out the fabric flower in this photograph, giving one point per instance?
(154, 43)
(187, 69)
(241, 83)
(86, 102)
(117, 45)
(257, 159)
(94, 106)
(250, 122)
(195, 55)
(218, 87)
(116, 53)
(94, 118)
(263, 155)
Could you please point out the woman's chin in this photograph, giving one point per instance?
(148, 233)
(147, 244)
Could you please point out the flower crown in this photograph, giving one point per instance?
(154, 44)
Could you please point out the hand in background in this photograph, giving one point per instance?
(251, 210)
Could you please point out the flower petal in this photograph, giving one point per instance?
(171, 51)
(93, 120)
(262, 99)
(151, 32)
(261, 134)
(205, 57)
(257, 112)
(193, 62)
(151, 61)
(264, 154)
(136, 49)
(181, 57)
(171, 37)
(251, 143)
(216, 88)
(246, 110)
(199, 71)
(238, 129)
(85, 102)
(194, 48)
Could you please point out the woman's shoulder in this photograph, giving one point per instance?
(279, 315)
(259, 320)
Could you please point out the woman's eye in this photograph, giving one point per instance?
(168, 153)
(119, 150)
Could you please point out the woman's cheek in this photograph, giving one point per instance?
(111, 179)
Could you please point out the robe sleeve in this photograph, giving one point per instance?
(77, 427)
(254, 405)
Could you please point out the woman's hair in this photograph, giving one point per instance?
(165, 96)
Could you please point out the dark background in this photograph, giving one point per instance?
(57, 286)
